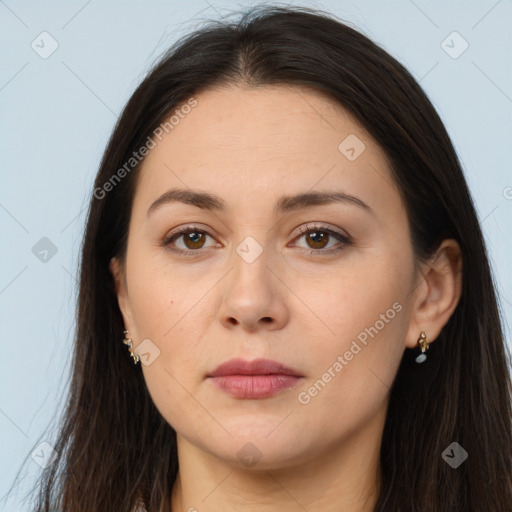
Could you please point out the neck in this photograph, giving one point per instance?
(343, 477)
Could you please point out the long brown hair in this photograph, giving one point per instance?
(115, 449)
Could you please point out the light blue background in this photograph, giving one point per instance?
(57, 113)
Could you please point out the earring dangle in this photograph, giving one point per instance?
(423, 343)
(129, 342)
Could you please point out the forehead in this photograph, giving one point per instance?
(256, 140)
(263, 120)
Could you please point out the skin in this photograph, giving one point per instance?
(250, 146)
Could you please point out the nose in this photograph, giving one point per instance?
(254, 296)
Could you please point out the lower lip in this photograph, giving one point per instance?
(254, 386)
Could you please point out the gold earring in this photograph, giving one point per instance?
(128, 341)
(423, 343)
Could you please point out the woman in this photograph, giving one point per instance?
(285, 299)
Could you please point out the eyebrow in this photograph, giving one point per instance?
(285, 204)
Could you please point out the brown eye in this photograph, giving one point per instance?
(317, 239)
(194, 239)
(322, 240)
(187, 240)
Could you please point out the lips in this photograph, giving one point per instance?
(256, 367)
(260, 378)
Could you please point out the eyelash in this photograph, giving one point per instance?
(344, 239)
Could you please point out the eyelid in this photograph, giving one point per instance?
(307, 228)
(183, 230)
(342, 236)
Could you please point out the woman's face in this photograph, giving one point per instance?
(300, 253)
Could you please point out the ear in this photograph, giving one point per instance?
(118, 273)
(437, 292)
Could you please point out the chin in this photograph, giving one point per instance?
(258, 448)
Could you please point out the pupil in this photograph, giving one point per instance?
(318, 238)
(194, 240)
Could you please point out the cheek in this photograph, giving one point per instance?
(172, 313)
(358, 340)
(362, 302)
(352, 372)
(168, 317)
(161, 301)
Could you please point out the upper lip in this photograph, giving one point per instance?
(255, 367)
